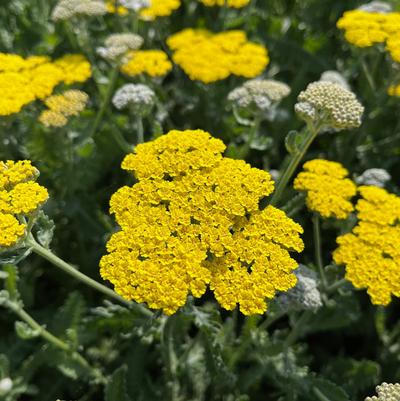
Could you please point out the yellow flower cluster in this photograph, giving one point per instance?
(114, 9)
(60, 107)
(20, 195)
(328, 190)
(160, 8)
(228, 3)
(371, 252)
(394, 90)
(24, 80)
(209, 57)
(154, 63)
(364, 29)
(192, 221)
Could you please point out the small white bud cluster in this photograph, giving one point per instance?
(118, 44)
(140, 98)
(386, 392)
(66, 9)
(335, 77)
(329, 104)
(135, 5)
(259, 93)
(6, 385)
(305, 295)
(377, 7)
(374, 176)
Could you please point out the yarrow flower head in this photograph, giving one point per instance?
(154, 63)
(66, 9)
(335, 77)
(193, 221)
(371, 252)
(140, 98)
(159, 8)
(376, 7)
(68, 104)
(386, 392)
(374, 176)
(209, 57)
(328, 190)
(258, 94)
(118, 44)
(20, 196)
(135, 5)
(24, 80)
(330, 105)
(305, 295)
(228, 3)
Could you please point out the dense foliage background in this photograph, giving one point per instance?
(347, 347)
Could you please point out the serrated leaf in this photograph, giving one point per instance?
(115, 389)
(45, 229)
(25, 332)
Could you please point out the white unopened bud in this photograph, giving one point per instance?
(135, 5)
(140, 98)
(377, 7)
(386, 392)
(335, 77)
(374, 176)
(118, 44)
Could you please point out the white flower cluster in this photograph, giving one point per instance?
(6, 386)
(135, 5)
(66, 9)
(140, 98)
(335, 77)
(118, 44)
(305, 295)
(329, 104)
(374, 176)
(377, 7)
(386, 392)
(259, 93)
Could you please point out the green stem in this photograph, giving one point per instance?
(318, 252)
(140, 130)
(320, 396)
(171, 359)
(121, 141)
(252, 135)
(336, 286)
(297, 329)
(368, 75)
(50, 338)
(310, 134)
(56, 261)
(111, 84)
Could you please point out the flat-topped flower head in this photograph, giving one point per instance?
(66, 9)
(227, 3)
(118, 44)
(374, 176)
(305, 295)
(327, 188)
(209, 57)
(20, 196)
(259, 94)
(154, 63)
(386, 392)
(159, 8)
(140, 98)
(371, 252)
(193, 221)
(329, 104)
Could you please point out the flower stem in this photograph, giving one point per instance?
(318, 253)
(56, 261)
(140, 130)
(50, 338)
(310, 134)
(297, 328)
(111, 84)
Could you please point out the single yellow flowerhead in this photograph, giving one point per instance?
(371, 252)
(159, 8)
(13, 173)
(193, 221)
(209, 57)
(228, 3)
(328, 190)
(154, 63)
(74, 68)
